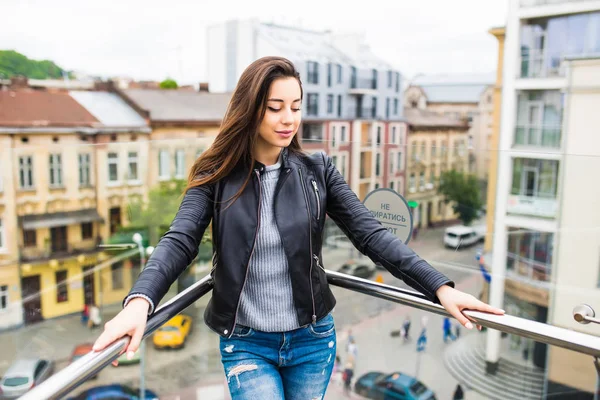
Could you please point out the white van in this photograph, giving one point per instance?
(461, 236)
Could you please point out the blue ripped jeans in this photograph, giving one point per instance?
(294, 365)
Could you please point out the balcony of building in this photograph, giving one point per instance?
(59, 251)
(545, 8)
(534, 188)
(362, 86)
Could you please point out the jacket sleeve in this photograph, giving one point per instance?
(177, 248)
(372, 239)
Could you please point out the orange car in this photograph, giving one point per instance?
(81, 350)
(173, 333)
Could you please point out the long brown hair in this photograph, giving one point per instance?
(239, 129)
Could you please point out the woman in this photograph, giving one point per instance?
(267, 201)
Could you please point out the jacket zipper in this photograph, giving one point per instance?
(316, 257)
(314, 183)
(314, 316)
(251, 253)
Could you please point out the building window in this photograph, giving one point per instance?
(530, 253)
(414, 155)
(422, 180)
(113, 167)
(84, 170)
(393, 138)
(399, 161)
(378, 164)
(333, 136)
(392, 185)
(329, 104)
(395, 106)
(534, 178)
(390, 79)
(374, 107)
(164, 172)
(432, 177)
(313, 104)
(62, 290)
(329, 73)
(3, 297)
(26, 172)
(378, 139)
(312, 132)
(339, 104)
(87, 230)
(374, 73)
(29, 238)
(55, 170)
(179, 164)
(132, 161)
(116, 273)
(343, 169)
(433, 149)
(397, 82)
(2, 240)
(343, 138)
(411, 182)
(339, 73)
(312, 72)
(115, 219)
(392, 157)
(387, 107)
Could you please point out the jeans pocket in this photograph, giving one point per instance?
(242, 331)
(323, 327)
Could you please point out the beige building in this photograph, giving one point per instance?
(436, 143)
(67, 181)
(467, 97)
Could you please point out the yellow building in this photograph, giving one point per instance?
(436, 143)
(66, 171)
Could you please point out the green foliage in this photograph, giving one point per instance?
(155, 215)
(169, 84)
(14, 63)
(464, 193)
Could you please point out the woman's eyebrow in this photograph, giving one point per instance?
(281, 101)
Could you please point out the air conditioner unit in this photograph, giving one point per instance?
(429, 186)
(412, 190)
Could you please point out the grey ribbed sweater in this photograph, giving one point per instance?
(267, 302)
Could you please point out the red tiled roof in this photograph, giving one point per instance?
(31, 108)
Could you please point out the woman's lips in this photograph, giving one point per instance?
(285, 134)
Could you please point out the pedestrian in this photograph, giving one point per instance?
(95, 319)
(406, 328)
(336, 375)
(352, 349)
(457, 329)
(267, 202)
(347, 377)
(85, 314)
(447, 328)
(422, 340)
(458, 393)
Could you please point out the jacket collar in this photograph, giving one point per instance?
(284, 158)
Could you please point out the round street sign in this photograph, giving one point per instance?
(390, 208)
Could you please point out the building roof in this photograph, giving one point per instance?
(31, 108)
(109, 109)
(176, 105)
(458, 88)
(428, 119)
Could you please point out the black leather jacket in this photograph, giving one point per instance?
(309, 188)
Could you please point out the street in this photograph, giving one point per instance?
(196, 369)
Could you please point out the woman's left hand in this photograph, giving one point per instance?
(455, 301)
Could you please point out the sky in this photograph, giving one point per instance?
(151, 39)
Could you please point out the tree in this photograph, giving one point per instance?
(464, 193)
(169, 84)
(155, 215)
(14, 63)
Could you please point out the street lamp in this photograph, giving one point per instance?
(137, 238)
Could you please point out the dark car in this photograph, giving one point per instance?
(380, 386)
(358, 269)
(111, 392)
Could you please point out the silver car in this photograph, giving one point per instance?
(24, 374)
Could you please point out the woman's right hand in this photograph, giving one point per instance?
(130, 321)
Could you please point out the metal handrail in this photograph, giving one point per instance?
(73, 375)
(69, 378)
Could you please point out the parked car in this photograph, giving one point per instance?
(110, 392)
(173, 333)
(462, 236)
(380, 386)
(79, 351)
(122, 360)
(24, 374)
(358, 269)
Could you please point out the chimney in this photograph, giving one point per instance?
(19, 82)
(203, 87)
